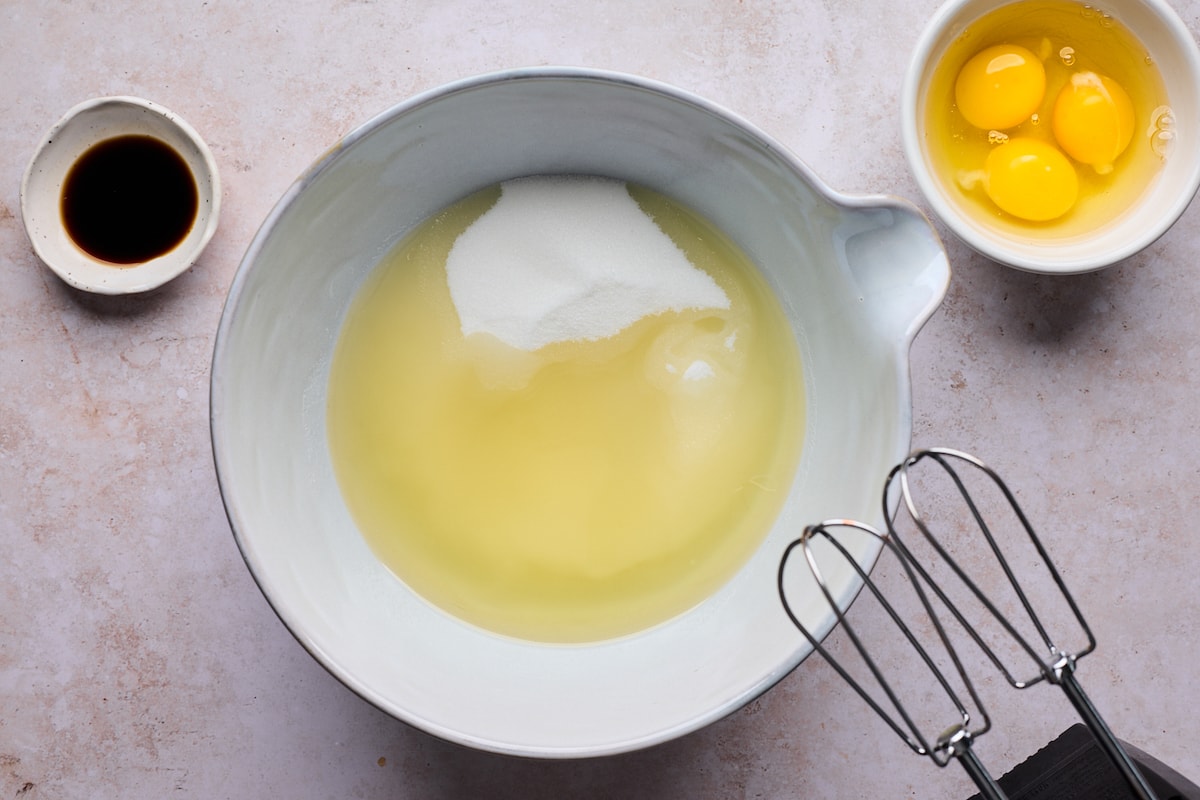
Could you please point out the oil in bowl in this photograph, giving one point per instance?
(565, 409)
(1047, 120)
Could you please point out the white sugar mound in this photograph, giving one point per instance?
(564, 258)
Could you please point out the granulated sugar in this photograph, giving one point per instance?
(564, 258)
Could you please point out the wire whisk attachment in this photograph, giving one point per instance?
(970, 532)
(961, 726)
(1032, 640)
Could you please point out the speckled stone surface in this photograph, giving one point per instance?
(139, 660)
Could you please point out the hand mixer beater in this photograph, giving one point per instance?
(952, 607)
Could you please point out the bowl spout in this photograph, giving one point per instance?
(897, 263)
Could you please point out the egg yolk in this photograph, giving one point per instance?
(1000, 87)
(1093, 120)
(1030, 179)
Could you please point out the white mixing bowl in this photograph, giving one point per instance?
(856, 276)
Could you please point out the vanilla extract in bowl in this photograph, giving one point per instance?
(129, 199)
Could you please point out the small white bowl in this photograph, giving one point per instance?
(85, 125)
(1173, 49)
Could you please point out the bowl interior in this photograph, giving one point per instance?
(269, 386)
(81, 128)
(1175, 53)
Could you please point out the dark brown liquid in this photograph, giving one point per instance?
(129, 199)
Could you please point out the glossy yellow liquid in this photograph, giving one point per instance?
(583, 491)
(1067, 37)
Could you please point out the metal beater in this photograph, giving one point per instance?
(1025, 634)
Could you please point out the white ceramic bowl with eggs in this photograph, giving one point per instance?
(1172, 48)
(857, 276)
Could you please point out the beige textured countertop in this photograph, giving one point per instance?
(139, 660)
